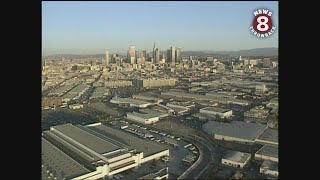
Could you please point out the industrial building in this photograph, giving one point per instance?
(151, 83)
(220, 95)
(114, 84)
(75, 93)
(261, 88)
(268, 136)
(80, 67)
(160, 114)
(131, 102)
(274, 103)
(161, 174)
(147, 98)
(236, 159)
(92, 152)
(187, 104)
(61, 90)
(238, 131)
(76, 106)
(143, 118)
(257, 112)
(51, 102)
(99, 92)
(223, 113)
(267, 152)
(207, 98)
(269, 168)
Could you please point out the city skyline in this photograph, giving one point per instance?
(91, 28)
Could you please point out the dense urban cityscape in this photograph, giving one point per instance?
(166, 113)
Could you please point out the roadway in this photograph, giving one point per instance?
(209, 152)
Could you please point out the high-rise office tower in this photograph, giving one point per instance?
(156, 54)
(139, 54)
(114, 57)
(162, 58)
(266, 62)
(131, 54)
(168, 56)
(173, 55)
(144, 53)
(153, 51)
(107, 59)
(178, 55)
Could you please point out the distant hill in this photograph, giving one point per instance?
(250, 52)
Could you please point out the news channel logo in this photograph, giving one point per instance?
(262, 26)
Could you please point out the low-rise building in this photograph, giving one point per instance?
(160, 114)
(237, 131)
(161, 174)
(268, 136)
(217, 111)
(236, 159)
(187, 104)
(51, 102)
(131, 102)
(76, 106)
(257, 112)
(269, 168)
(261, 88)
(113, 84)
(151, 83)
(274, 103)
(147, 98)
(94, 151)
(143, 118)
(267, 152)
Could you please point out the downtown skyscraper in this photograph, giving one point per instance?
(131, 54)
(173, 55)
(106, 62)
(156, 54)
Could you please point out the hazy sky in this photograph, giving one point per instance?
(93, 27)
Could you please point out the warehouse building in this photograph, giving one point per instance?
(187, 104)
(236, 159)
(161, 174)
(147, 98)
(143, 118)
(267, 152)
(220, 95)
(273, 103)
(206, 98)
(160, 114)
(237, 131)
(131, 102)
(269, 136)
(61, 90)
(114, 84)
(93, 151)
(269, 168)
(75, 106)
(261, 88)
(257, 112)
(50, 102)
(152, 83)
(99, 92)
(223, 113)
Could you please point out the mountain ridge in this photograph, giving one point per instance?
(249, 52)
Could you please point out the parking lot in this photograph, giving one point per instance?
(178, 147)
